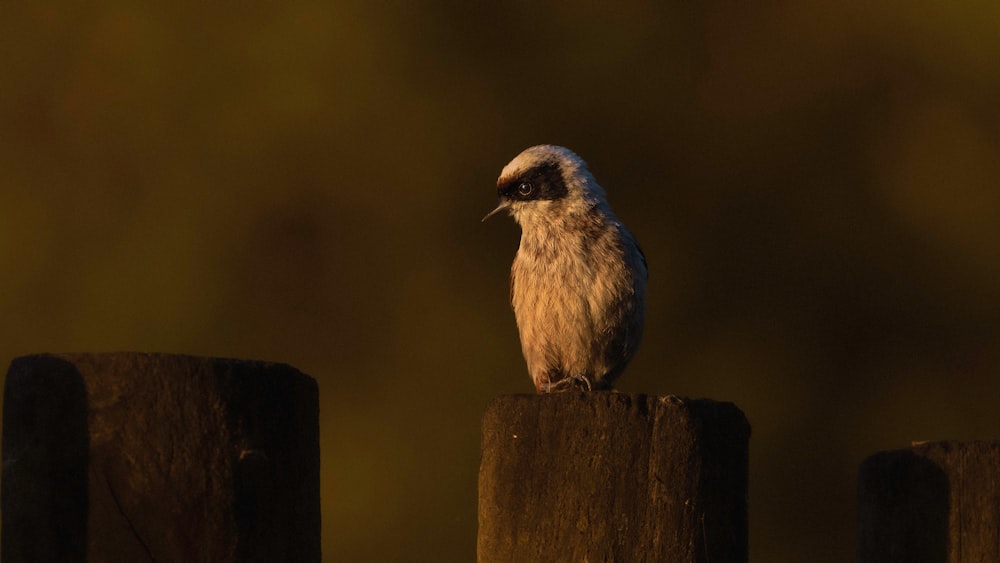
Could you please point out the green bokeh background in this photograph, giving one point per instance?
(815, 186)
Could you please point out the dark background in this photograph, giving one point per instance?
(815, 186)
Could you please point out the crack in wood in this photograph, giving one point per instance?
(131, 526)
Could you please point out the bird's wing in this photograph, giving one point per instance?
(513, 277)
(642, 256)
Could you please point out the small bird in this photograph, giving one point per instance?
(578, 282)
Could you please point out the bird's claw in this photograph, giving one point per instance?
(568, 383)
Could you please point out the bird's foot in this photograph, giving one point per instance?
(577, 382)
(580, 381)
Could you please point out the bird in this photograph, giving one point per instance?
(578, 281)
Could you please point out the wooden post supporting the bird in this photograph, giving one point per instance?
(141, 457)
(934, 502)
(605, 476)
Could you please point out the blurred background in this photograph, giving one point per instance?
(815, 186)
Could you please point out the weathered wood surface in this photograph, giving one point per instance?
(936, 502)
(141, 457)
(612, 477)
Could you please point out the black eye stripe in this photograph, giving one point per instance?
(542, 182)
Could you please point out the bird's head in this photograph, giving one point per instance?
(546, 183)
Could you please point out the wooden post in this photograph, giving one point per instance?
(935, 502)
(142, 457)
(612, 477)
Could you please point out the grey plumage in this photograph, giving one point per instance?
(578, 282)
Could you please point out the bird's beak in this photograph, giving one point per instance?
(504, 204)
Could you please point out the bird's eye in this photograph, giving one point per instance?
(524, 189)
